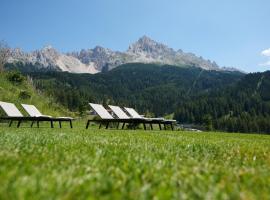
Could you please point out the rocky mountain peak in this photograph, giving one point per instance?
(101, 50)
(47, 47)
(147, 45)
(49, 50)
(47, 56)
(145, 40)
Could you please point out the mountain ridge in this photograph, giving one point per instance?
(50, 59)
(99, 59)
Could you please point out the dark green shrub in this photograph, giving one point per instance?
(24, 95)
(15, 77)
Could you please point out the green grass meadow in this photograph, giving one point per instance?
(77, 163)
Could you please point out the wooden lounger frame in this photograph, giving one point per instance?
(37, 120)
(131, 121)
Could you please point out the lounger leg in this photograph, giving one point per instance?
(144, 126)
(70, 123)
(159, 126)
(165, 127)
(38, 123)
(32, 123)
(107, 125)
(10, 123)
(151, 126)
(51, 124)
(172, 126)
(19, 123)
(60, 124)
(100, 125)
(123, 126)
(87, 124)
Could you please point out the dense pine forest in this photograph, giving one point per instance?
(242, 107)
(215, 100)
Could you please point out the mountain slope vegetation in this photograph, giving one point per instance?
(18, 89)
(242, 107)
(147, 87)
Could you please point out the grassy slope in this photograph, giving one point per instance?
(10, 92)
(108, 164)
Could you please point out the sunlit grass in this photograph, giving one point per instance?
(76, 163)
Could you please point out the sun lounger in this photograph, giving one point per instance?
(122, 115)
(34, 112)
(134, 114)
(13, 114)
(107, 118)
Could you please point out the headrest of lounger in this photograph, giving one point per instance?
(10, 109)
(101, 111)
(133, 113)
(119, 112)
(31, 110)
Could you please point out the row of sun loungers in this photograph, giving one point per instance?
(13, 114)
(118, 115)
(122, 117)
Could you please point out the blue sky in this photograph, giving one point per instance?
(230, 32)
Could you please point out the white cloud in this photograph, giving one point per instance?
(266, 52)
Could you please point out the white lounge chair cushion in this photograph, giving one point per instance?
(101, 111)
(119, 112)
(32, 110)
(133, 113)
(10, 109)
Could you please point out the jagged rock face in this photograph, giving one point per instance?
(101, 57)
(152, 51)
(145, 50)
(50, 59)
(148, 46)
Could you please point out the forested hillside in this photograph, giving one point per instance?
(242, 107)
(147, 87)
